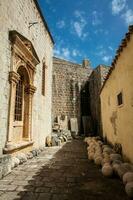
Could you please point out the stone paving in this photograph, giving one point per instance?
(60, 173)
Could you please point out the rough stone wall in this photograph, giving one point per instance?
(68, 79)
(95, 84)
(16, 15)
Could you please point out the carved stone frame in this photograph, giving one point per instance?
(22, 55)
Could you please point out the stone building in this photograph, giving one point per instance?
(70, 94)
(117, 98)
(26, 76)
(96, 81)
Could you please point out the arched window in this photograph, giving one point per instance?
(19, 100)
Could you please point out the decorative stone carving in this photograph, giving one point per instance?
(13, 77)
(24, 60)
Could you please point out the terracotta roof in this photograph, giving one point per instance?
(123, 44)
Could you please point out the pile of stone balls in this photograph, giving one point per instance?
(20, 158)
(111, 162)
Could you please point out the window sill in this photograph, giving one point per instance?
(13, 147)
(120, 106)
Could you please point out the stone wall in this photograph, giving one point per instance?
(17, 15)
(95, 84)
(68, 80)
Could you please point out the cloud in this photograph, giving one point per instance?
(79, 24)
(67, 53)
(128, 17)
(118, 6)
(76, 53)
(103, 53)
(62, 52)
(78, 13)
(110, 48)
(101, 31)
(60, 24)
(96, 18)
(106, 58)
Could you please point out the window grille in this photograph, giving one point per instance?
(19, 101)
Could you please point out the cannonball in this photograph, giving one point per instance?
(105, 160)
(116, 162)
(98, 160)
(91, 156)
(105, 146)
(128, 177)
(129, 189)
(121, 171)
(128, 166)
(115, 156)
(107, 150)
(100, 142)
(115, 168)
(107, 170)
(86, 139)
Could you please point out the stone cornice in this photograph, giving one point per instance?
(24, 50)
(19, 43)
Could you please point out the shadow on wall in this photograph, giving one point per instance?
(113, 119)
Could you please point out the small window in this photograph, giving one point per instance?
(120, 99)
(19, 100)
(43, 79)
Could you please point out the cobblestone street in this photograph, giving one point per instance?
(58, 174)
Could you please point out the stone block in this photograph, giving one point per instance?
(74, 125)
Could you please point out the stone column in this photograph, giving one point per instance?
(30, 90)
(13, 80)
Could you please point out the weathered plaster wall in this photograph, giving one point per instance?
(118, 120)
(66, 77)
(16, 15)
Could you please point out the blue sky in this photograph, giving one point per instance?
(90, 29)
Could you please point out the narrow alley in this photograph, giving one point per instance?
(60, 173)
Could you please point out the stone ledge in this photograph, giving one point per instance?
(17, 146)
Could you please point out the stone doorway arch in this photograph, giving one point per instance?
(21, 78)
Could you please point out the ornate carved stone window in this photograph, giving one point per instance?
(21, 77)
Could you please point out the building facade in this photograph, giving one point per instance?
(117, 98)
(26, 52)
(96, 81)
(70, 92)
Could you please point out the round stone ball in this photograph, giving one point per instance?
(91, 156)
(116, 168)
(98, 160)
(128, 177)
(105, 160)
(115, 156)
(129, 189)
(107, 170)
